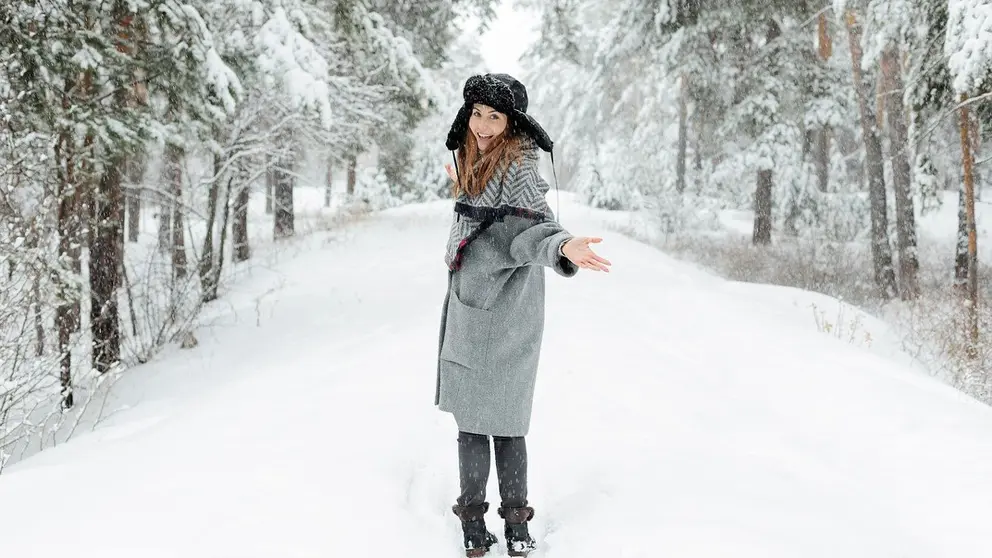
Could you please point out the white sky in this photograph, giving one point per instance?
(508, 37)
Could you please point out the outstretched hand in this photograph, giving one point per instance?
(577, 250)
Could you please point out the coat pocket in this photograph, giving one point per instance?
(467, 334)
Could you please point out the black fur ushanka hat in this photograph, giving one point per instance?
(503, 93)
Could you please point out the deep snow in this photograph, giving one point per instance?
(677, 414)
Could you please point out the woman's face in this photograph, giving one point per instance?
(486, 124)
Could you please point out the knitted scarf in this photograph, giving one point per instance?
(519, 191)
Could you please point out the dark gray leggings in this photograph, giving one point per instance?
(474, 464)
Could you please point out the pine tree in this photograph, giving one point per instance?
(968, 48)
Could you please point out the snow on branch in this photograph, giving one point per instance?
(391, 58)
(968, 45)
(290, 61)
(222, 80)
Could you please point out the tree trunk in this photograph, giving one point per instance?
(239, 227)
(885, 277)
(909, 288)
(763, 208)
(701, 129)
(961, 246)
(825, 44)
(134, 40)
(107, 248)
(164, 224)
(697, 158)
(352, 174)
(39, 320)
(31, 243)
(329, 189)
(969, 189)
(67, 224)
(683, 132)
(67, 312)
(82, 222)
(174, 180)
(763, 188)
(106, 258)
(821, 157)
(89, 180)
(283, 199)
(219, 265)
(135, 174)
(269, 187)
(133, 215)
(793, 211)
(208, 286)
(821, 141)
(63, 320)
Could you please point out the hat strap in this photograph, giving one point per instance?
(557, 195)
(457, 176)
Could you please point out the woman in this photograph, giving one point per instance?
(502, 237)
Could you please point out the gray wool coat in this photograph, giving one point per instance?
(492, 319)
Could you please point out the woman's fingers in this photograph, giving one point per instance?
(590, 254)
(594, 265)
(587, 259)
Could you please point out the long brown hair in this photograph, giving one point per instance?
(475, 169)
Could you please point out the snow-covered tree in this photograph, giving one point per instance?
(968, 47)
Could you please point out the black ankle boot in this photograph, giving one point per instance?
(477, 539)
(518, 539)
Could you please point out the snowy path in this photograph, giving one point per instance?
(676, 415)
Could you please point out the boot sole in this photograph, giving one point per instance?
(476, 552)
(519, 553)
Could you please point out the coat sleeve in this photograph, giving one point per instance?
(538, 245)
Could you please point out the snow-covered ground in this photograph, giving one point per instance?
(677, 414)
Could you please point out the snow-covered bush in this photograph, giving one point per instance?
(935, 332)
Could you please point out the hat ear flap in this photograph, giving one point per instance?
(527, 124)
(456, 135)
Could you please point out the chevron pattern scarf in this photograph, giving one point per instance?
(519, 191)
